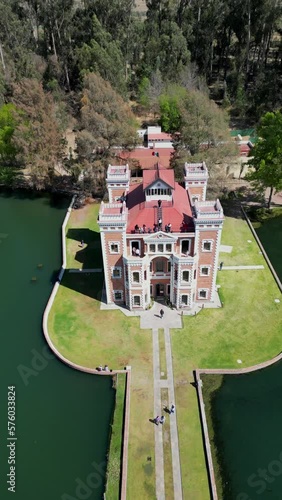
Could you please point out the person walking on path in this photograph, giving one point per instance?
(161, 313)
(172, 409)
(157, 420)
(162, 419)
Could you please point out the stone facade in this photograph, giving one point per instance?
(160, 239)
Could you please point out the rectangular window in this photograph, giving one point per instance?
(136, 300)
(136, 277)
(207, 246)
(114, 247)
(168, 267)
(185, 276)
(159, 266)
(151, 290)
(184, 300)
(160, 247)
(116, 272)
(118, 294)
(205, 271)
(152, 247)
(175, 274)
(168, 290)
(135, 248)
(185, 247)
(202, 294)
(145, 275)
(168, 247)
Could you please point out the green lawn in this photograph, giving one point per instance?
(236, 233)
(83, 226)
(115, 453)
(248, 327)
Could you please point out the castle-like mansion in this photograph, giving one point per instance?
(160, 239)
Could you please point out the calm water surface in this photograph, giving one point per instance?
(62, 416)
(247, 419)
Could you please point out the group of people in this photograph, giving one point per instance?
(157, 227)
(161, 420)
(142, 229)
(101, 369)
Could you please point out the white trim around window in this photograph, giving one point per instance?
(114, 247)
(183, 251)
(204, 242)
(136, 300)
(135, 273)
(116, 272)
(188, 276)
(206, 272)
(184, 300)
(203, 291)
(118, 295)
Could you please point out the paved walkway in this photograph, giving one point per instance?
(159, 453)
(98, 270)
(238, 268)
(158, 410)
(177, 483)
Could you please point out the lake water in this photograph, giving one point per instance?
(62, 416)
(247, 415)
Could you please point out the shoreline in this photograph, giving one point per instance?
(92, 371)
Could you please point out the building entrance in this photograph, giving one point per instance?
(160, 290)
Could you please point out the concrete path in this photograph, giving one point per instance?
(159, 453)
(98, 270)
(158, 410)
(177, 482)
(152, 318)
(225, 248)
(238, 268)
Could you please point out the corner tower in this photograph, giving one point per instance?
(196, 179)
(117, 181)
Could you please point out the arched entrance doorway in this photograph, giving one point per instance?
(160, 277)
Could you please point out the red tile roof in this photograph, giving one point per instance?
(176, 212)
(153, 136)
(150, 176)
(145, 156)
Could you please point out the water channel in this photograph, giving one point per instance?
(246, 418)
(62, 416)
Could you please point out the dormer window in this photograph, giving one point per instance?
(158, 192)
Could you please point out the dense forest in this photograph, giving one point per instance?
(98, 67)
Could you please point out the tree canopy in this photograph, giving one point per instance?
(266, 160)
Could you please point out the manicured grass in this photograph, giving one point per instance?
(168, 475)
(162, 353)
(248, 327)
(115, 453)
(236, 233)
(83, 226)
